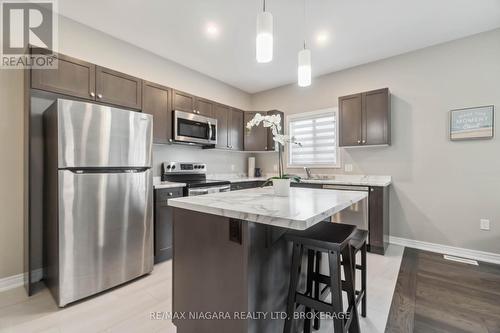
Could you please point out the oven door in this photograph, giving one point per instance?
(193, 128)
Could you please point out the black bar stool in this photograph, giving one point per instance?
(331, 238)
(357, 243)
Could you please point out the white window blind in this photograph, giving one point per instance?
(317, 133)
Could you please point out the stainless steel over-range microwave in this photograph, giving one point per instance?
(193, 128)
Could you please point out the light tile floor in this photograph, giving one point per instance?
(127, 308)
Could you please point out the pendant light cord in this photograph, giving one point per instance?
(264, 5)
(305, 23)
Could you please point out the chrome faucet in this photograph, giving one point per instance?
(308, 172)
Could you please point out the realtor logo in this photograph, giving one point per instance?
(24, 24)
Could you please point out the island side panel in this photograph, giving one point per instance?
(269, 261)
(209, 272)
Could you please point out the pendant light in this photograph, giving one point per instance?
(304, 70)
(304, 60)
(264, 39)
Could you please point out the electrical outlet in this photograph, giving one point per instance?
(348, 167)
(484, 224)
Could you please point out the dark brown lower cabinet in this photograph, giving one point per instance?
(156, 101)
(378, 215)
(163, 216)
(378, 218)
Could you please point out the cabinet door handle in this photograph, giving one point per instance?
(364, 141)
(92, 94)
(359, 141)
(170, 194)
(99, 95)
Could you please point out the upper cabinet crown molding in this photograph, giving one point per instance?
(365, 119)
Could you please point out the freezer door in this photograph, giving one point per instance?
(105, 231)
(92, 135)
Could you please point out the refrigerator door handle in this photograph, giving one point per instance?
(108, 170)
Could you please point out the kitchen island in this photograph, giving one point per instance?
(230, 262)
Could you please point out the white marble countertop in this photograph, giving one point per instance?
(301, 210)
(247, 179)
(157, 183)
(351, 180)
(362, 180)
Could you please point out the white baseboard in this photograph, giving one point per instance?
(14, 281)
(445, 249)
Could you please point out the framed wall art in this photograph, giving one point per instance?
(472, 123)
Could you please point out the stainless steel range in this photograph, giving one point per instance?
(194, 175)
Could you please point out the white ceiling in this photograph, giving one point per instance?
(360, 31)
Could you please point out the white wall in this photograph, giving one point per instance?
(441, 188)
(85, 43)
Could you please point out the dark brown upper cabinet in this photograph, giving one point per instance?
(182, 101)
(117, 88)
(271, 145)
(229, 127)
(365, 119)
(204, 107)
(221, 113)
(255, 138)
(189, 103)
(377, 117)
(235, 129)
(156, 101)
(73, 77)
(260, 138)
(77, 78)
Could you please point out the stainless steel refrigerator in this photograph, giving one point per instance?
(98, 198)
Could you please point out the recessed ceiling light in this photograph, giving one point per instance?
(322, 37)
(212, 30)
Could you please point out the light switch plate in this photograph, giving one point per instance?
(348, 167)
(484, 224)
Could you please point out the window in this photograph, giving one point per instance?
(317, 133)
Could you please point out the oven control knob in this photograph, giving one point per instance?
(173, 167)
(168, 166)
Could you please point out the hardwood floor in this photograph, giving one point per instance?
(434, 295)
